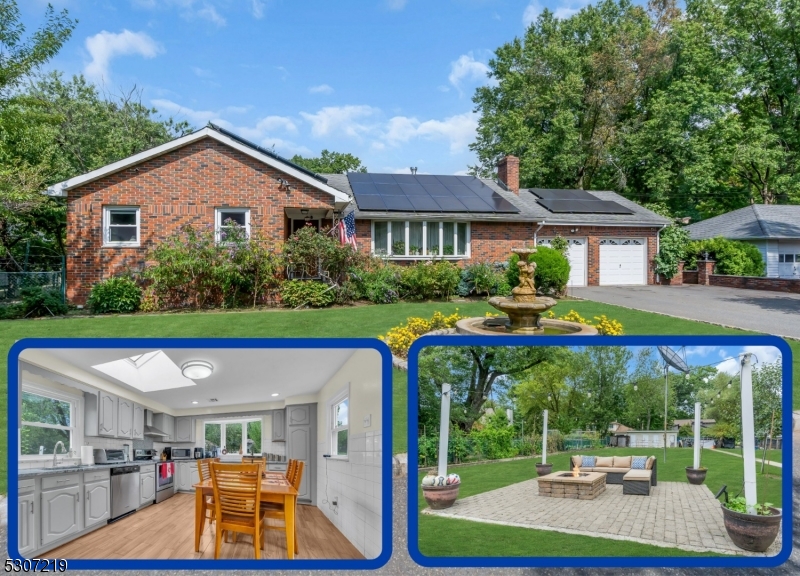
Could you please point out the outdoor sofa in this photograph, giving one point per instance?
(616, 467)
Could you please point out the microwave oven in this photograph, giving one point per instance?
(182, 453)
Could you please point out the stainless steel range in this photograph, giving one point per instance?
(165, 480)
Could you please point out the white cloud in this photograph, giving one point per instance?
(105, 46)
(396, 4)
(285, 148)
(531, 13)
(201, 72)
(763, 355)
(466, 68)
(458, 130)
(208, 12)
(321, 89)
(700, 350)
(561, 12)
(347, 120)
(257, 9)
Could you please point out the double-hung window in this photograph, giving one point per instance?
(340, 424)
(48, 417)
(414, 239)
(230, 221)
(121, 226)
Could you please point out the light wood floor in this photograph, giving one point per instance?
(166, 530)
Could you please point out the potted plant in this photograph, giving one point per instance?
(696, 476)
(440, 492)
(543, 469)
(753, 532)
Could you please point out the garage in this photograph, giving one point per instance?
(622, 261)
(576, 255)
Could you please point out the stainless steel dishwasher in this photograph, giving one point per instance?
(124, 491)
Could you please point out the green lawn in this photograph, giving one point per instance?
(475, 538)
(772, 455)
(361, 321)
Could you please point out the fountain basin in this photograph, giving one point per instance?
(523, 315)
(498, 326)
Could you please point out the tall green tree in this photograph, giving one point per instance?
(331, 163)
(599, 376)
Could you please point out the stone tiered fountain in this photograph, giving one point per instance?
(523, 309)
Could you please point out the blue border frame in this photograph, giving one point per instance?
(195, 343)
(602, 561)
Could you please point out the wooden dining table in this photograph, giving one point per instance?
(274, 488)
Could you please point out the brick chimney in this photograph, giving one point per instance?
(508, 173)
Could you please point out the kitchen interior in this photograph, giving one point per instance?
(110, 441)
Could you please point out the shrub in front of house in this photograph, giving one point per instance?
(732, 257)
(552, 271)
(38, 301)
(295, 293)
(312, 254)
(673, 241)
(118, 294)
(484, 278)
(429, 280)
(378, 282)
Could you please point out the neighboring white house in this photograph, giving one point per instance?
(650, 438)
(773, 228)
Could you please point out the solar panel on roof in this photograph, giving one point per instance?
(571, 206)
(548, 194)
(426, 193)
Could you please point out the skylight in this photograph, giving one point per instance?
(148, 372)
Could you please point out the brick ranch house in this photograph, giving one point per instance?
(115, 214)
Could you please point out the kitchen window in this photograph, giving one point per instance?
(230, 219)
(415, 239)
(236, 436)
(120, 226)
(340, 417)
(47, 418)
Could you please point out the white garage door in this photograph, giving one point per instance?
(576, 254)
(622, 261)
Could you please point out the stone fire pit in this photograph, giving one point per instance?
(585, 486)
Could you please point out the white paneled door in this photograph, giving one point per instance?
(576, 254)
(622, 261)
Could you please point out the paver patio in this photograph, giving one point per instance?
(675, 515)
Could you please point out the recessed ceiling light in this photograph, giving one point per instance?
(194, 401)
(197, 369)
(274, 394)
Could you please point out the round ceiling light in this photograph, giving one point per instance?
(197, 369)
(274, 394)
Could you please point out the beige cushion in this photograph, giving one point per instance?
(577, 461)
(622, 461)
(649, 464)
(638, 475)
(604, 462)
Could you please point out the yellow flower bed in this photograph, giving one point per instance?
(605, 326)
(400, 338)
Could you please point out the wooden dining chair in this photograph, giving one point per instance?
(290, 469)
(204, 469)
(237, 500)
(276, 511)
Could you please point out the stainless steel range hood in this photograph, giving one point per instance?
(149, 429)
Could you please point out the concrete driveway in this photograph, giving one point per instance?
(757, 310)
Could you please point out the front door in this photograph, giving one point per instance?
(297, 224)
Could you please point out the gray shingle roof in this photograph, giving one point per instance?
(755, 221)
(529, 209)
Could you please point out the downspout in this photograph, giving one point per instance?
(535, 232)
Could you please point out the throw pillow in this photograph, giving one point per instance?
(638, 462)
(589, 461)
(605, 462)
(578, 461)
(622, 461)
(649, 465)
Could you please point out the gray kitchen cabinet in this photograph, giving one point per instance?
(147, 485)
(106, 414)
(138, 421)
(26, 527)
(124, 418)
(299, 415)
(278, 426)
(97, 502)
(187, 475)
(62, 513)
(166, 424)
(184, 429)
(301, 445)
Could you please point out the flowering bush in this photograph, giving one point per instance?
(605, 326)
(400, 338)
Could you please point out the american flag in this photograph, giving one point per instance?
(347, 230)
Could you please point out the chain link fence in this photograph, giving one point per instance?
(13, 283)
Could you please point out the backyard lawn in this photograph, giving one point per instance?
(772, 455)
(360, 321)
(512, 541)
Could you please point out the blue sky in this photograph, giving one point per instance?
(390, 81)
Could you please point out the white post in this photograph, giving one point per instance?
(748, 435)
(444, 430)
(510, 416)
(696, 435)
(544, 438)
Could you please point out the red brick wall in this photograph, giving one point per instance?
(178, 188)
(690, 276)
(756, 283)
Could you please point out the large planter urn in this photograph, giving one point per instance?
(440, 497)
(543, 469)
(696, 476)
(752, 532)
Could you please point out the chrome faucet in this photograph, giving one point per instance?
(55, 452)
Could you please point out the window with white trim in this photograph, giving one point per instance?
(413, 239)
(227, 219)
(340, 425)
(788, 258)
(121, 226)
(47, 418)
(241, 436)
